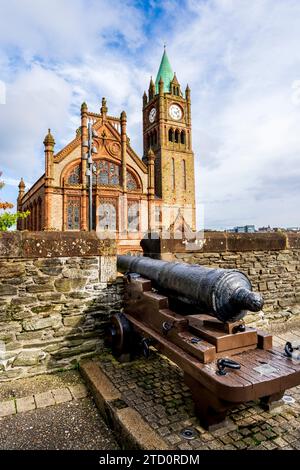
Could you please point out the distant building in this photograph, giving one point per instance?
(265, 229)
(242, 229)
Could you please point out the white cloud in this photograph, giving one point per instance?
(36, 100)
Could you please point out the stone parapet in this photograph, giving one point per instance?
(53, 244)
(215, 242)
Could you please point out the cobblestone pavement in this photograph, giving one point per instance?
(155, 388)
(56, 413)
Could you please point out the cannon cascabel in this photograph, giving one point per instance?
(224, 293)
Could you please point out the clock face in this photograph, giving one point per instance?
(175, 112)
(152, 115)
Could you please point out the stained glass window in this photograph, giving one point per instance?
(131, 181)
(73, 213)
(133, 216)
(74, 175)
(107, 215)
(106, 173)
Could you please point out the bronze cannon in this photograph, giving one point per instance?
(224, 293)
(195, 316)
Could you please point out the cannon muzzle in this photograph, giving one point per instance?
(224, 293)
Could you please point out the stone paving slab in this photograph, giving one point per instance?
(62, 395)
(42, 400)
(155, 388)
(7, 408)
(25, 404)
(78, 391)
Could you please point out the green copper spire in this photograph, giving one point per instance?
(165, 72)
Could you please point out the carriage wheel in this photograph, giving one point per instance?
(120, 335)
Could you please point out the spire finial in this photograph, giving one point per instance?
(165, 46)
(49, 140)
(21, 185)
(103, 109)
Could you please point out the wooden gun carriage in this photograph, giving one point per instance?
(194, 316)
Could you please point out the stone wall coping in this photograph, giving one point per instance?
(54, 244)
(228, 242)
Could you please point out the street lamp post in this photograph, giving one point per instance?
(89, 172)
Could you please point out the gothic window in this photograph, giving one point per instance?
(40, 214)
(73, 213)
(182, 137)
(107, 215)
(173, 173)
(74, 175)
(171, 135)
(106, 173)
(151, 139)
(30, 217)
(176, 136)
(133, 216)
(184, 174)
(131, 181)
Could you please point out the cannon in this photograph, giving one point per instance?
(195, 316)
(224, 293)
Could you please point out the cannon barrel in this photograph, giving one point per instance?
(223, 293)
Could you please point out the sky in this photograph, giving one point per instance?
(241, 60)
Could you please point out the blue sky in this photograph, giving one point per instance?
(240, 58)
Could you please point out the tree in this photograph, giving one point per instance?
(7, 219)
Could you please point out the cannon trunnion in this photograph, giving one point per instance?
(224, 362)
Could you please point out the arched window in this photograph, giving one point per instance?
(171, 135)
(73, 213)
(155, 137)
(131, 182)
(133, 216)
(106, 173)
(176, 136)
(35, 215)
(30, 217)
(26, 220)
(39, 214)
(182, 137)
(107, 215)
(151, 139)
(74, 175)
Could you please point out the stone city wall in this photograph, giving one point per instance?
(270, 260)
(57, 291)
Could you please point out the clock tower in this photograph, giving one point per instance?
(167, 134)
